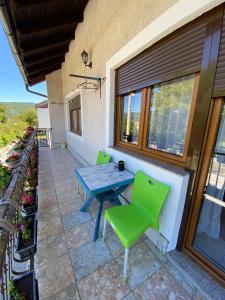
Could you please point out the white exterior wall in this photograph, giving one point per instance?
(98, 114)
(43, 118)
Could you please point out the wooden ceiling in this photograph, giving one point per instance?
(42, 32)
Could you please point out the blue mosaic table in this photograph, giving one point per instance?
(102, 182)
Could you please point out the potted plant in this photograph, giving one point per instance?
(24, 287)
(5, 174)
(27, 236)
(19, 149)
(12, 160)
(29, 202)
(30, 129)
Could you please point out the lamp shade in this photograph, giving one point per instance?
(84, 56)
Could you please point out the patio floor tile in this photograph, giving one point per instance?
(69, 293)
(105, 283)
(79, 235)
(89, 257)
(50, 248)
(162, 285)
(48, 213)
(70, 205)
(50, 227)
(142, 264)
(54, 276)
(130, 297)
(72, 219)
(44, 203)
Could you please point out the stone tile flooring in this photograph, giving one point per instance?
(70, 266)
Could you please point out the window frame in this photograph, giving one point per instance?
(76, 130)
(141, 147)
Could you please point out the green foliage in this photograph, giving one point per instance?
(30, 117)
(15, 125)
(4, 177)
(13, 291)
(2, 114)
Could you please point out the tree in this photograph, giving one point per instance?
(2, 114)
(30, 117)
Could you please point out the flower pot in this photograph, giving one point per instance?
(27, 248)
(19, 152)
(31, 209)
(12, 164)
(27, 285)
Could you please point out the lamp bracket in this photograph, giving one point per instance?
(98, 79)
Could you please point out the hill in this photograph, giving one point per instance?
(16, 108)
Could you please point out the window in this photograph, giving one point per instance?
(130, 117)
(157, 120)
(75, 115)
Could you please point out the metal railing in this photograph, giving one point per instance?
(44, 137)
(9, 210)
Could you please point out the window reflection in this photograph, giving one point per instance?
(130, 117)
(169, 113)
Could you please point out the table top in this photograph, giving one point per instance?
(101, 178)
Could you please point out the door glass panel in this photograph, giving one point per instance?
(210, 234)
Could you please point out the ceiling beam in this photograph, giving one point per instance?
(42, 58)
(50, 23)
(44, 71)
(44, 65)
(48, 50)
(47, 42)
(37, 80)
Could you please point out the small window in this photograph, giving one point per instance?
(75, 115)
(157, 120)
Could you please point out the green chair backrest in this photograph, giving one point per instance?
(149, 194)
(103, 158)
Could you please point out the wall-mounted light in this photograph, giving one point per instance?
(84, 56)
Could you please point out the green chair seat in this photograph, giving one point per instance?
(129, 223)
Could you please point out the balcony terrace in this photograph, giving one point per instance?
(69, 265)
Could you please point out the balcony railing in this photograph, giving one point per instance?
(9, 213)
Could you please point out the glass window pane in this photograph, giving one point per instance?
(74, 120)
(79, 120)
(130, 117)
(169, 113)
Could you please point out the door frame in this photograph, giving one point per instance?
(208, 148)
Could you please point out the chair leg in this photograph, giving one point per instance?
(104, 228)
(125, 267)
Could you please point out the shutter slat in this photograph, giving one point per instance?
(219, 82)
(177, 53)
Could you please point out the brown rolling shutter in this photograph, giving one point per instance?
(219, 83)
(75, 103)
(178, 54)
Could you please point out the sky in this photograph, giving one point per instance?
(12, 86)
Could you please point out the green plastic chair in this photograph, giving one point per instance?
(103, 158)
(131, 221)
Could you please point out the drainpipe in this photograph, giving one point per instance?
(35, 93)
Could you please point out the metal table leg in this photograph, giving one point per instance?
(97, 223)
(87, 203)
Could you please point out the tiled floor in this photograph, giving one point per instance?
(70, 266)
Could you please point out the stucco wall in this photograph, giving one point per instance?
(56, 107)
(43, 118)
